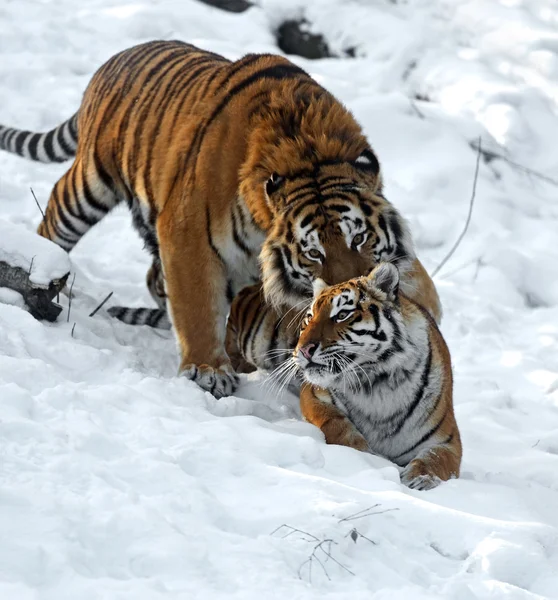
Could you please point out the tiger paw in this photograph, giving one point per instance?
(356, 440)
(340, 431)
(242, 366)
(417, 475)
(353, 439)
(219, 381)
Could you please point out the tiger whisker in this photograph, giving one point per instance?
(350, 364)
(281, 377)
(276, 375)
(278, 370)
(305, 300)
(299, 315)
(274, 352)
(287, 379)
(352, 371)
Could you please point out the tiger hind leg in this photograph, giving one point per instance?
(156, 284)
(79, 200)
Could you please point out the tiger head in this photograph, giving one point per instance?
(314, 182)
(352, 330)
(335, 226)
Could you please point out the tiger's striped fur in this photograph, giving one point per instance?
(224, 165)
(57, 145)
(258, 335)
(153, 317)
(376, 371)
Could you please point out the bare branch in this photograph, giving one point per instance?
(314, 557)
(355, 534)
(327, 552)
(70, 298)
(490, 154)
(101, 305)
(364, 510)
(471, 203)
(416, 109)
(30, 267)
(73, 327)
(29, 273)
(324, 545)
(372, 514)
(294, 530)
(37, 203)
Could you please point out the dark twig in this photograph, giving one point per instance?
(416, 109)
(355, 515)
(294, 530)
(37, 203)
(70, 297)
(370, 514)
(101, 305)
(471, 203)
(30, 268)
(314, 557)
(309, 560)
(491, 154)
(321, 545)
(73, 327)
(28, 286)
(355, 534)
(329, 555)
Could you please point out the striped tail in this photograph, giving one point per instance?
(57, 145)
(154, 317)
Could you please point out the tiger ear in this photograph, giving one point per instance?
(367, 161)
(385, 277)
(318, 286)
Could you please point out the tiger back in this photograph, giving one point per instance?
(233, 171)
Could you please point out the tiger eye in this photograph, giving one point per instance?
(314, 253)
(342, 315)
(358, 239)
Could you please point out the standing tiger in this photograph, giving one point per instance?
(374, 370)
(233, 171)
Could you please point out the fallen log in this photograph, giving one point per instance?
(33, 267)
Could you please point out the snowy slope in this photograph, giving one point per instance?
(119, 480)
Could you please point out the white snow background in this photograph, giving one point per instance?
(119, 480)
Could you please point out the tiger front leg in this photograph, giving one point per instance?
(317, 408)
(196, 282)
(432, 466)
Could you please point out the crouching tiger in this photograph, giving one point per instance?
(233, 171)
(374, 370)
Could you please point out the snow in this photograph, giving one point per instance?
(42, 259)
(9, 296)
(120, 480)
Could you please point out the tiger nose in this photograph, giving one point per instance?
(308, 350)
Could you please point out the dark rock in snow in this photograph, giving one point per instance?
(293, 37)
(235, 6)
(38, 298)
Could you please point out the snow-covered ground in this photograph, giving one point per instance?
(119, 480)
